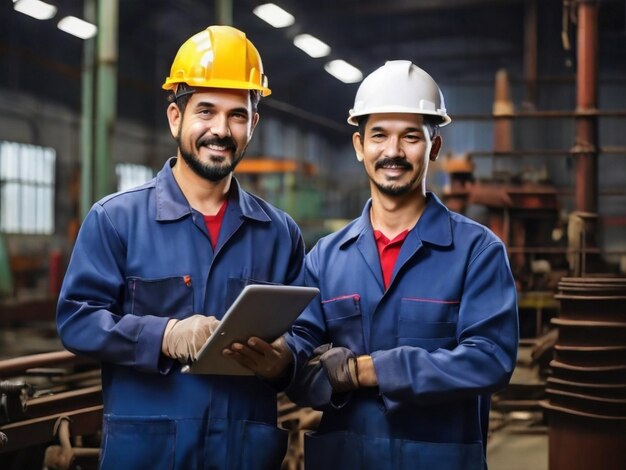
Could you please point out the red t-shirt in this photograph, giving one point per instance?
(388, 251)
(214, 223)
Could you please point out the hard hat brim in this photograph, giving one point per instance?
(233, 85)
(353, 119)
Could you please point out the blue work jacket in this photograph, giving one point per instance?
(442, 337)
(142, 257)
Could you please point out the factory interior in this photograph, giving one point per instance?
(536, 151)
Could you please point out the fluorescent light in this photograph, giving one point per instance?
(274, 15)
(77, 27)
(35, 8)
(342, 70)
(311, 45)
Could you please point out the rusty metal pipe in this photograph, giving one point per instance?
(586, 98)
(530, 54)
(63, 456)
(18, 365)
(36, 431)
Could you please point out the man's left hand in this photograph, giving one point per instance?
(266, 360)
(341, 369)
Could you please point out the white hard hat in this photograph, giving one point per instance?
(399, 86)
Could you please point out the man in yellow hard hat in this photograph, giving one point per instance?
(154, 269)
(416, 322)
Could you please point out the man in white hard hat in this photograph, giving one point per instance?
(416, 324)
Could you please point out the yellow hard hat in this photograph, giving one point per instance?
(218, 57)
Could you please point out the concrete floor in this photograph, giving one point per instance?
(519, 437)
(513, 448)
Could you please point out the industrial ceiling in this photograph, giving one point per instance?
(455, 40)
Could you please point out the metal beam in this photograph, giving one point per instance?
(28, 433)
(19, 365)
(407, 6)
(62, 401)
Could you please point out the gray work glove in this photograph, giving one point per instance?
(183, 339)
(341, 369)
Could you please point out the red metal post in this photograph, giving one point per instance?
(586, 98)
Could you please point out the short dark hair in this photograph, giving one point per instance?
(183, 92)
(432, 122)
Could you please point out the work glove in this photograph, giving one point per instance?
(183, 339)
(340, 366)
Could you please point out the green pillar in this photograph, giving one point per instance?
(224, 12)
(106, 95)
(87, 118)
(6, 281)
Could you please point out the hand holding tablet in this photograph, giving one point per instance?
(265, 311)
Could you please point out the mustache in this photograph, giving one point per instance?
(398, 162)
(227, 142)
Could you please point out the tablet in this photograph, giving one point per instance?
(263, 310)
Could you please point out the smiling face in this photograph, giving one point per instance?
(395, 149)
(214, 130)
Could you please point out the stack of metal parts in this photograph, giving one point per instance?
(587, 392)
(50, 408)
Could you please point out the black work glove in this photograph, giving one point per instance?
(341, 368)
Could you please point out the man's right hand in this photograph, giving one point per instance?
(183, 339)
(267, 360)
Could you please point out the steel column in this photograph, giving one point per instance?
(530, 54)
(586, 98)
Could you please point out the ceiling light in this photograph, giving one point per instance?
(274, 15)
(342, 70)
(35, 8)
(311, 45)
(77, 27)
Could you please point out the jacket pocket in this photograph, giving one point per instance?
(429, 324)
(341, 450)
(265, 446)
(442, 455)
(138, 443)
(165, 297)
(244, 445)
(344, 322)
(337, 450)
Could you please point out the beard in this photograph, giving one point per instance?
(392, 189)
(217, 169)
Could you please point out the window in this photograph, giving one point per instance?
(129, 175)
(27, 177)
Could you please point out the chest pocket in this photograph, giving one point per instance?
(165, 297)
(429, 324)
(344, 322)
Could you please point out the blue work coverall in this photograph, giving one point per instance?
(142, 257)
(442, 337)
